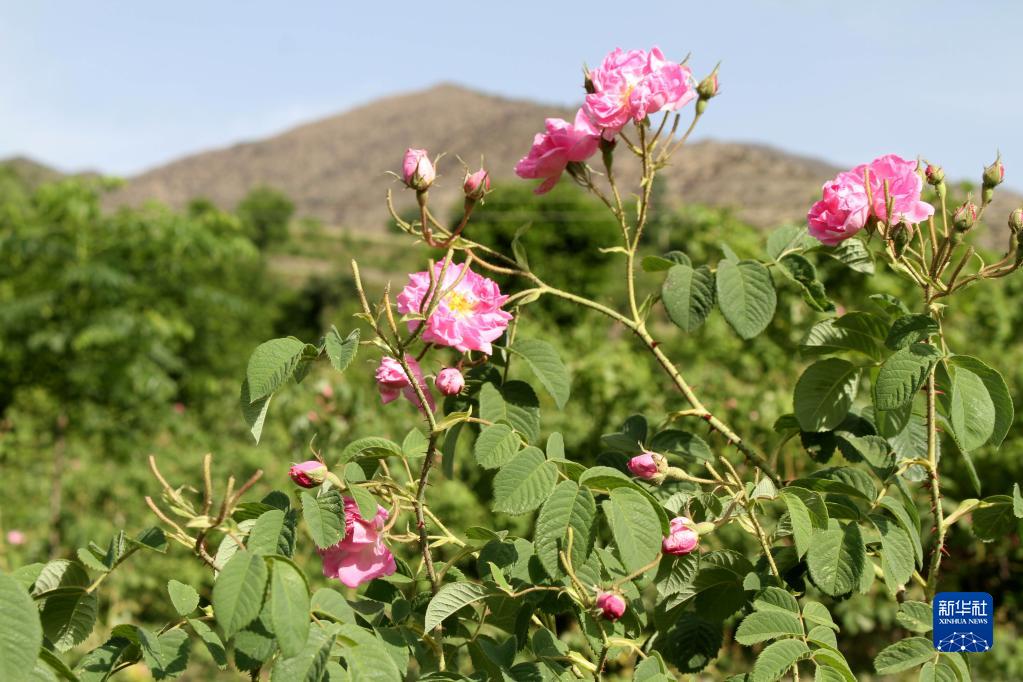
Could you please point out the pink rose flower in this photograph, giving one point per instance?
(392, 382)
(629, 86)
(842, 212)
(682, 539)
(553, 150)
(904, 187)
(467, 318)
(611, 605)
(417, 170)
(361, 555)
(308, 474)
(15, 537)
(647, 465)
(476, 185)
(450, 381)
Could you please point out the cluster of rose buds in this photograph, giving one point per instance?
(418, 172)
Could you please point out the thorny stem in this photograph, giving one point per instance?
(935, 485)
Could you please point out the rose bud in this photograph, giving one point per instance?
(417, 170)
(682, 537)
(708, 87)
(965, 217)
(935, 175)
(994, 174)
(648, 465)
(1016, 220)
(611, 605)
(308, 474)
(449, 381)
(476, 185)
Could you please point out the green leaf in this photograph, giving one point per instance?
(969, 407)
(745, 293)
(681, 443)
(364, 500)
(289, 607)
(309, 664)
(858, 332)
(271, 364)
(910, 329)
(836, 559)
(1017, 502)
(665, 262)
(264, 538)
(760, 626)
(788, 239)
(776, 659)
(21, 634)
(325, 517)
(688, 296)
(994, 518)
(56, 665)
(496, 446)
(902, 375)
(915, 616)
(816, 614)
(368, 658)
(897, 555)
(569, 506)
(691, 643)
(799, 519)
(897, 508)
(774, 599)
(212, 641)
(451, 598)
(824, 394)
(524, 483)
(254, 411)
(997, 391)
(605, 478)
(238, 591)
(634, 526)
(371, 446)
(903, 655)
(516, 404)
(548, 367)
(183, 597)
(802, 272)
(854, 255)
(340, 351)
(68, 616)
(831, 667)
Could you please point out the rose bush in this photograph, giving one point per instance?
(621, 568)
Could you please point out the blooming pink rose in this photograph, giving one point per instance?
(611, 605)
(468, 318)
(307, 474)
(450, 381)
(15, 537)
(904, 187)
(417, 170)
(629, 86)
(552, 151)
(682, 538)
(361, 555)
(392, 382)
(476, 185)
(842, 212)
(647, 465)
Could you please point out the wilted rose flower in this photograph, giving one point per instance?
(450, 381)
(647, 465)
(682, 538)
(468, 318)
(361, 555)
(476, 185)
(611, 605)
(392, 382)
(308, 474)
(553, 150)
(629, 86)
(15, 537)
(417, 170)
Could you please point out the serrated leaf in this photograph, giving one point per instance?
(688, 295)
(548, 367)
(496, 446)
(997, 390)
(524, 483)
(824, 394)
(994, 519)
(1017, 502)
(254, 411)
(21, 634)
(799, 520)
(854, 254)
(746, 296)
(634, 526)
(516, 404)
(836, 559)
(569, 506)
(903, 655)
(691, 643)
(289, 607)
(450, 599)
(968, 405)
(271, 364)
(816, 614)
(264, 538)
(802, 272)
(761, 626)
(777, 658)
(916, 616)
(340, 351)
(902, 375)
(68, 616)
(860, 332)
(364, 500)
(211, 640)
(788, 239)
(897, 509)
(681, 443)
(910, 329)
(775, 598)
(183, 597)
(897, 556)
(238, 591)
(325, 517)
(310, 663)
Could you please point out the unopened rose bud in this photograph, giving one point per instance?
(682, 537)
(417, 170)
(935, 175)
(308, 474)
(1016, 220)
(450, 381)
(612, 606)
(648, 465)
(994, 174)
(900, 236)
(965, 217)
(476, 185)
(708, 87)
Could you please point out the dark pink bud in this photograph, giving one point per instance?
(612, 606)
(647, 465)
(476, 185)
(308, 474)
(417, 170)
(450, 381)
(935, 174)
(682, 537)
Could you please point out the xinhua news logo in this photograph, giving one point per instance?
(964, 622)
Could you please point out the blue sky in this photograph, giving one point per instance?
(123, 86)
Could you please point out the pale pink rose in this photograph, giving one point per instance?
(361, 555)
(392, 382)
(417, 170)
(476, 185)
(450, 381)
(904, 187)
(629, 86)
(308, 474)
(682, 538)
(15, 537)
(611, 605)
(468, 318)
(647, 465)
(553, 150)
